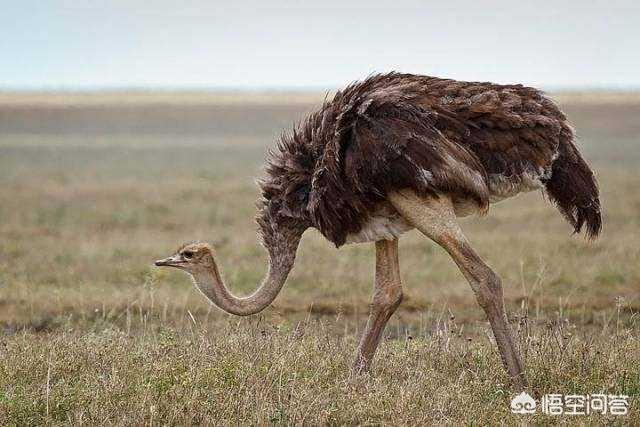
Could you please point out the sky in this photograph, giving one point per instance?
(322, 44)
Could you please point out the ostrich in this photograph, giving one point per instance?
(397, 152)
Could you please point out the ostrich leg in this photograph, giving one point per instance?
(437, 220)
(387, 294)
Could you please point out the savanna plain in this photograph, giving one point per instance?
(94, 187)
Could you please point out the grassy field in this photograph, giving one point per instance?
(94, 189)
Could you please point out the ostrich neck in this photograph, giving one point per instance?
(213, 287)
(281, 259)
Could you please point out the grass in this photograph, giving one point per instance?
(90, 332)
(253, 372)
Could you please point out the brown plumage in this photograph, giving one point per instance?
(396, 152)
(475, 142)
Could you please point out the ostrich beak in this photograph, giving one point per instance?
(172, 261)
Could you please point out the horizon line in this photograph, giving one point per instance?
(267, 89)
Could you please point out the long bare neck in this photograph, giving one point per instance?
(281, 259)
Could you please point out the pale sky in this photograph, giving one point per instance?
(319, 44)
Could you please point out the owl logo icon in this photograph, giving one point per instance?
(523, 404)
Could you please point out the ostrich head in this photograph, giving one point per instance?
(191, 257)
(197, 259)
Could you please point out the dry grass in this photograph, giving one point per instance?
(91, 332)
(166, 97)
(119, 98)
(253, 372)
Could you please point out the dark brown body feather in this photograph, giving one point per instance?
(473, 141)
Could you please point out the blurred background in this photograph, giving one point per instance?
(130, 127)
(127, 128)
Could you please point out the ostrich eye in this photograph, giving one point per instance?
(187, 254)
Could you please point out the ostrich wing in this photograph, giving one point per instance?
(514, 131)
(385, 143)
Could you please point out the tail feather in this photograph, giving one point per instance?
(574, 190)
